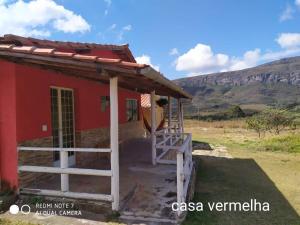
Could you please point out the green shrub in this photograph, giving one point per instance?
(236, 112)
(272, 120)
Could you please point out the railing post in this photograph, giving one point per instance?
(164, 138)
(178, 115)
(169, 114)
(114, 142)
(180, 180)
(153, 127)
(64, 164)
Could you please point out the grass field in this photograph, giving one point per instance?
(266, 169)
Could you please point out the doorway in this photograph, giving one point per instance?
(62, 120)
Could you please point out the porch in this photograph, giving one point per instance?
(145, 190)
(140, 177)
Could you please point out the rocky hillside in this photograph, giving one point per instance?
(275, 83)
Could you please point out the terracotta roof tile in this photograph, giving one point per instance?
(50, 52)
(122, 51)
(6, 47)
(24, 49)
(106, 60)
(43, 51)
(63, 54)
(130, 64)
(85, 57)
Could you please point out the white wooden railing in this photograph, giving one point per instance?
(184, 169)
(182, 144)
(64, 171)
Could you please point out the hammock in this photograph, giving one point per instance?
(148, 127)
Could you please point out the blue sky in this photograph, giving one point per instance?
(180, 38)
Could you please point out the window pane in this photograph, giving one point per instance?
(103, 103)
(131, 110)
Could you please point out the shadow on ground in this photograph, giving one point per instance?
(238, 180)
(199, 145)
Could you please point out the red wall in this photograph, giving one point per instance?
(33, 101)
(25, 107)
(8, 142)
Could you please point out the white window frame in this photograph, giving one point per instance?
(72, 159)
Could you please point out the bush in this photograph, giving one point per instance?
(277, 119)
(272, 120)
(236, 112)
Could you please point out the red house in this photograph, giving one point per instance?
(63, 102)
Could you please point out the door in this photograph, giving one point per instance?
(62, 119)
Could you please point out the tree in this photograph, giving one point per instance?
(272, 120)
(236, 112)
(256, 123)
(277, 119)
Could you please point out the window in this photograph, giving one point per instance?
(104, 103)
(132, 110)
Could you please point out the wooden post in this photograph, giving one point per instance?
(180, 180)
(181, 117)
(153, 127)
(169, 114)
(114, 142)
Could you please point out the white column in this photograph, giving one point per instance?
(63, 156)
(153, 127)
(114, 142)
(169, 113)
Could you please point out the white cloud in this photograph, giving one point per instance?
(127, 28)
(112, 27)
(269, 56)
(124, 29)
(174, 51)
(250, 59)
(38, 18)
(287, 14)
(108, 4)
(202, 60)
(289, 40)
(297, 2)
(145, 59)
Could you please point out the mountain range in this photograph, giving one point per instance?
(272, 84)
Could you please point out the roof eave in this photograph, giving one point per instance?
(157, 76)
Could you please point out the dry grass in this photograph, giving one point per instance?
(253, 173)
(192, 124)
